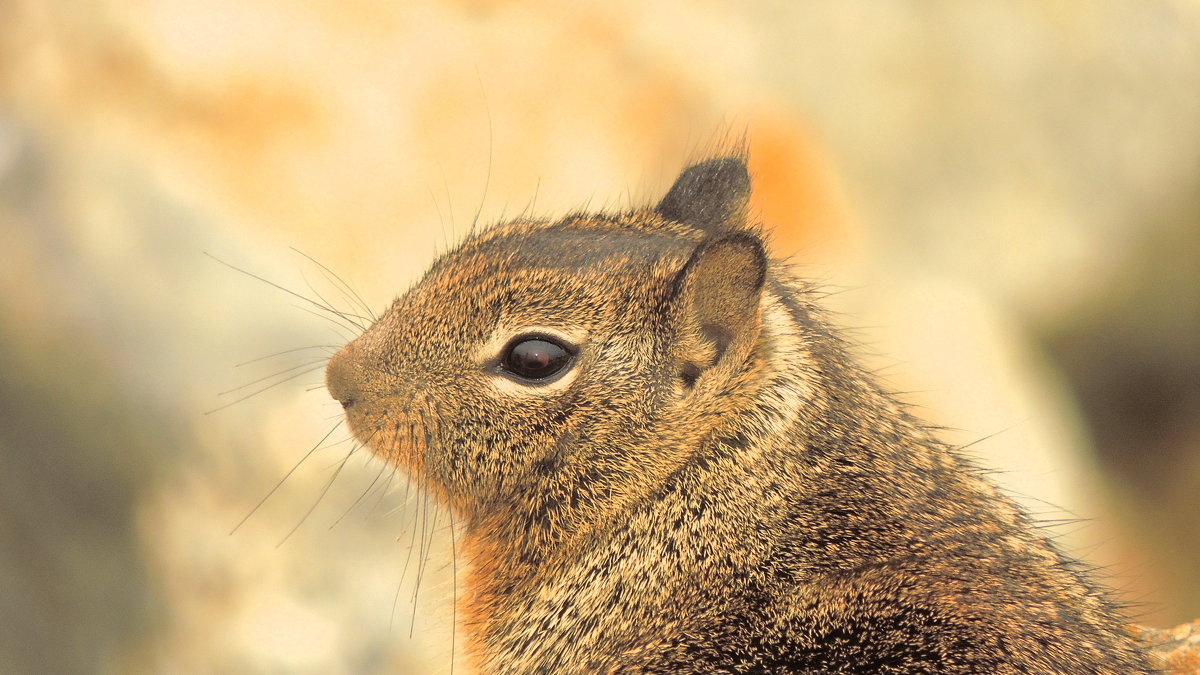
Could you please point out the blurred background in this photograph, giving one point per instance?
(1007, 195)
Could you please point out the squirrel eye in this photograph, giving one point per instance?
(535, 358)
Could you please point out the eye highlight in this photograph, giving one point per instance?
(535, 358)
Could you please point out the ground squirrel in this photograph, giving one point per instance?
(662, 459)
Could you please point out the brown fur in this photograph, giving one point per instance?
(713, 485)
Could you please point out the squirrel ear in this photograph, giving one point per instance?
(718, 290)
(709, 195)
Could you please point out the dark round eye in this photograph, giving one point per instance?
(535, 358)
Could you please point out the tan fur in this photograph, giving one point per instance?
(714, 485)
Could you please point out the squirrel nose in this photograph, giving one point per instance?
(341, 376)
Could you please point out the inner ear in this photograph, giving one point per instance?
(718, 336)
(717, 292)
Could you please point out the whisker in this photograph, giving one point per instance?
(441, 221)
(324, 491)
(274, 375)
(259, 391)
(366, 491)
(285, 477)
(425, 548)
(408, 557)
(348, 439)
(419, 517)
(349, 295)
(383, 490)
(531, 207)
(340, 326)
(331, 348)
(352, 318)
(353, 449)
(275, 285)
(348, 288)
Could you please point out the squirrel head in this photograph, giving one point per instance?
(560, 367)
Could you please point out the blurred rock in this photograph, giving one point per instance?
(1178, 648)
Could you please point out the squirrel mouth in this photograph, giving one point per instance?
(399, 432)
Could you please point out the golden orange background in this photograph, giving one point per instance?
(1009, 194)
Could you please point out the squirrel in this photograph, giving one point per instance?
(663, 459)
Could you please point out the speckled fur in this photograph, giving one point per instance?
(729, 496)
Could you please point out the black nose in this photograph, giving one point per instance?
(342, 376)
